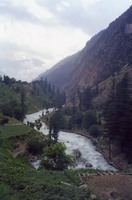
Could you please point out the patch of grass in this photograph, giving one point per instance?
(13, 121)
(13, 130)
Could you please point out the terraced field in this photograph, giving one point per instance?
(13, 128)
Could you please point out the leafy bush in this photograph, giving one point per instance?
(55, 157)
(35, 146)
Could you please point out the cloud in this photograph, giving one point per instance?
(17, 12)
(23, 69)
(90, 16)
(44, 46)
(37, 62)
(19, 62)
(35, 34)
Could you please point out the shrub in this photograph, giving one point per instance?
(35, 146)
(55, 157)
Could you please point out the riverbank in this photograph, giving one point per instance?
(118, 160)
(96, 143)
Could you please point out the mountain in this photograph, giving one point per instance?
(65, 66)
(61, 72)
(106, 54)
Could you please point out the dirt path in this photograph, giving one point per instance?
(110, 187)
(20, 149)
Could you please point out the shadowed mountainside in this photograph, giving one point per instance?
(103, 56)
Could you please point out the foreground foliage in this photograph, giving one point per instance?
(19, 180)
(55, 157)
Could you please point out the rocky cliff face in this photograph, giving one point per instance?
(104, 55)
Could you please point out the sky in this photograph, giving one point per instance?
(36, 34)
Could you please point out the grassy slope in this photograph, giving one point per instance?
(18, 180)
(13, 128)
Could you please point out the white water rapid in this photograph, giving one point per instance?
(73, 141)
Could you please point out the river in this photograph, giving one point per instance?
(73, 141)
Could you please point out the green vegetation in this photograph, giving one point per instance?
(13, 121)
(56, 122)
(18, 98)
(13, 130)
(10, 101)
(38, 124)
(55, 158)
(19, 180)
(118, 116)
(35, 146)
(3, 120)
(89, 119)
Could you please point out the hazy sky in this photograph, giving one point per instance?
(35, 34)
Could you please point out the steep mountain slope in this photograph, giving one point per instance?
(111, 52)
(105, 54)
(63, 71)
(64, 67)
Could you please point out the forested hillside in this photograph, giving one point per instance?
(18, 98)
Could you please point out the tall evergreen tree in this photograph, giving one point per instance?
(118, 115)
(22, 99)
(124, 114)
(56, 122)
(110, 116)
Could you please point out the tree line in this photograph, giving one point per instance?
(14, 96)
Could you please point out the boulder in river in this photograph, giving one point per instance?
(89, 165)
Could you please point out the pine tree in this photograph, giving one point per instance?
(22, 99)
(117, 115)
(124, 114)
(56, 122)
